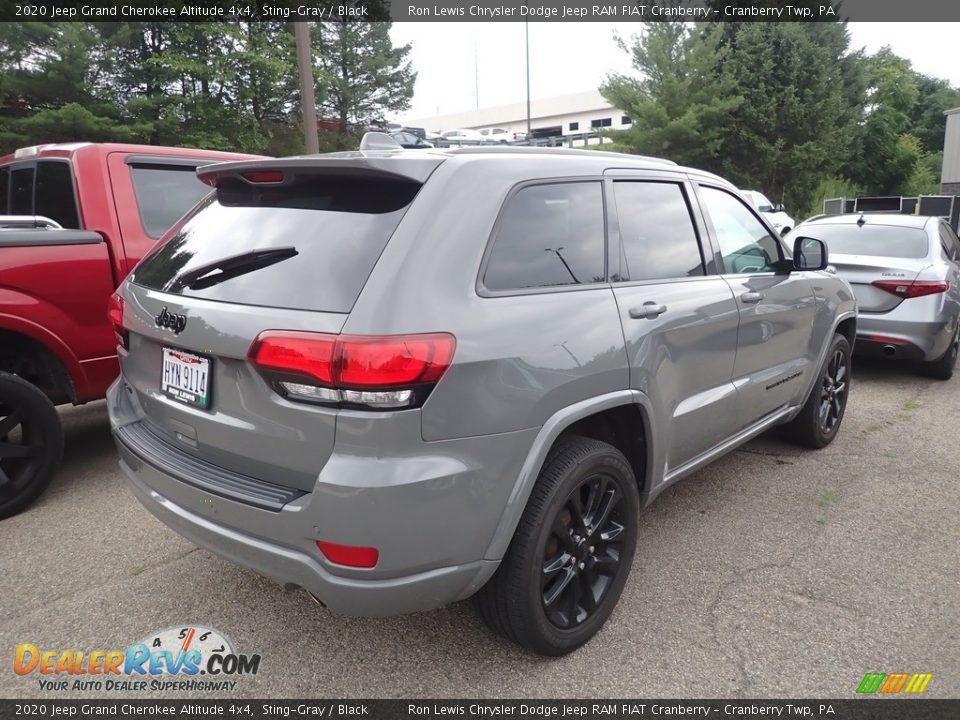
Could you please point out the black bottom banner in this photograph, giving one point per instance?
(848, 709)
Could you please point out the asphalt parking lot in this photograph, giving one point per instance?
(773, 572)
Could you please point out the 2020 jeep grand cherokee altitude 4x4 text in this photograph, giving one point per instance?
(398, 379)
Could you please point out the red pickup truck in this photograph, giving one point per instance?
(74, 220)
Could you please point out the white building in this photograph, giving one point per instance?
(950, 176)
(582, 112)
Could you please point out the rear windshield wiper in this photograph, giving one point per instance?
(230, 267)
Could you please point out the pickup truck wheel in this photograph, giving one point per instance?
(818, 423)
(570, 557)
(31, 443)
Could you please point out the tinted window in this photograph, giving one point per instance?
(745, 244)
(4, 189)
(948, 238)
(873, 240)
(657, 232)
(337, 226)
(21, 191)
(164, 194)
(574, 126)
(54, 194)
(549, 235)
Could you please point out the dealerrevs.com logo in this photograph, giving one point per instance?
(191, 658)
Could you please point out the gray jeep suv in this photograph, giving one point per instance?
(399, 379)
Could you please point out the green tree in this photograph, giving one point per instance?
(768, 105)
(49, 86)
(927, 120)
(680, 108)
(884, 162)
(360, 76)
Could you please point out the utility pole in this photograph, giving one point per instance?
(476, 76)
(527, 34)
(308, 100)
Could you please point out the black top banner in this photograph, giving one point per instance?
(485, 10)
(121, 709)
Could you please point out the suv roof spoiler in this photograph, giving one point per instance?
(397, 163)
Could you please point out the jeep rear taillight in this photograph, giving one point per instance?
(377, 372)
(115, 318)
(917, 288)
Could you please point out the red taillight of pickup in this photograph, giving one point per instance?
(382, 372)
(915, 289)
(115, 318)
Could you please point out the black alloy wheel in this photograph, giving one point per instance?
(572, 551)
(582, 553)
(31, 443)
(833, 395)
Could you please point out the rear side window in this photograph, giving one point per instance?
(871, 240)
(21, 191)
(329, 232)
(549, 236)
(54, 197)
(4, 190)
(164, 194)
(656, 230)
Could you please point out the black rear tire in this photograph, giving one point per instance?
(942, 368)
(818, 423)
(31, 443)
(571, 554)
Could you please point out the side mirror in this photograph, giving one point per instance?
(809, 254)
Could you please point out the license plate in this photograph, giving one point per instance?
(186, 377)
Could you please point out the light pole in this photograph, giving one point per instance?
(526, 31)
(308, 100)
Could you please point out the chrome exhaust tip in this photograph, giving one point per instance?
(889, 350)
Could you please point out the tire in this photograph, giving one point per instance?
(942, 368)
(812, 428)
(548, 617)
(31, 443)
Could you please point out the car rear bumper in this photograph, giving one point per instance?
(889, 335)
(432, 517)
(394, 596)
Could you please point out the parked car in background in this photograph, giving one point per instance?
(357, 374)
(501, 136)
(409, 140)
(76, 218)
(905, 272)
(453, 138)
(776, 214)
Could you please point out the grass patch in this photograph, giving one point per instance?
(821, 520)
(826, 497)
(138, 569)
(911, 405)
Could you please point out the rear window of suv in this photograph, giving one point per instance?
(872, 240)
(336, 227)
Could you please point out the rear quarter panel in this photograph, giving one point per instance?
(519, 359)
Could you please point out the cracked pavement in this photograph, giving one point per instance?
(774, 572)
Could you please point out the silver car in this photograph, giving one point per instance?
(398, 379)
(905, 272)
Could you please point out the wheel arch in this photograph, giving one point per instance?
(31, 359)
(616, 417)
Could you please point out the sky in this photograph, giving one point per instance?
(461, 65)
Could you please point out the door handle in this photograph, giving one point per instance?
(751, 298)
(648, 310)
